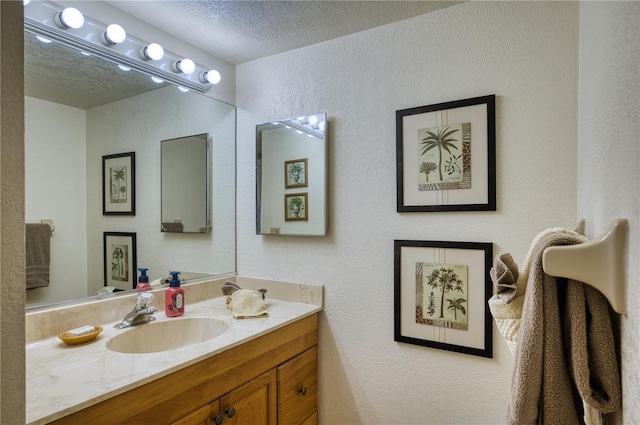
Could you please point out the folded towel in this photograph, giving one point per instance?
(247, 303)
(38, 255)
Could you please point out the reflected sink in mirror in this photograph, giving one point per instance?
(167, 335)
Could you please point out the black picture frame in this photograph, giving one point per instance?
(420, 318)
(119, 184)
(120, 260)
(465, 131)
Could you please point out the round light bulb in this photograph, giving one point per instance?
(114, 34)
(313, 120)
(70, 17)
(153, 51)
(210, 77)
(186, 66)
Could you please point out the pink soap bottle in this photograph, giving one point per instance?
(174, 297)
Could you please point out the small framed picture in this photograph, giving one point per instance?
(446, 156)
(441, 295)
(118, 184)
(296, 207)
(295, 173)
(120, 260)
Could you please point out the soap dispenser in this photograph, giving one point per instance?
(143, 280)
(174, 297)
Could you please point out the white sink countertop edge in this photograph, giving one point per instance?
(63, 379)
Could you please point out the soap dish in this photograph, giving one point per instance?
(73, 340)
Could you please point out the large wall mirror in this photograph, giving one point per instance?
(291, 166)
(79, 108)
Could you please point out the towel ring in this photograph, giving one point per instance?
(601, 263)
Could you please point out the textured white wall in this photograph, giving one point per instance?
(609, 156)
(525, 53)
(55, 188)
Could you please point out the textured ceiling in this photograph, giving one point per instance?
(234, 30)
(239, 31)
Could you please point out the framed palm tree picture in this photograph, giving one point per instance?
(120, 260)
(441, 295)
(118, 184)
(446, 156)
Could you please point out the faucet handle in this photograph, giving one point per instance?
(144, 299)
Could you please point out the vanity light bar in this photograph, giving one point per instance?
(39, 20)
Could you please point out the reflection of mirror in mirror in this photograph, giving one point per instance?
(185, 206)
(291, 164)
(102, 112)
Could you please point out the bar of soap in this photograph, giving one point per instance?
(83, 330)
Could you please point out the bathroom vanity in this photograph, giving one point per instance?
(259, 371)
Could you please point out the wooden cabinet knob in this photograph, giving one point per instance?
(217, 420)
(302, 391)
(230, 412)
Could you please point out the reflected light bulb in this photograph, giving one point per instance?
(186, 66)
(157, 80)
(183, 89)
(43, 39)
(124, 68)
(114, 34)
(70, 17)
(153, 51)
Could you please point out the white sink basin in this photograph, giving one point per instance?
(166, 335)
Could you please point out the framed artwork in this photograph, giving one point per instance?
(295, 173)
(296, 207)
(446, 156)
(441, 295)
(120, 260)
(118, 184)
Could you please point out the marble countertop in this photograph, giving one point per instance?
(62, 379)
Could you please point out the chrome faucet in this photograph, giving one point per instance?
(141, 313)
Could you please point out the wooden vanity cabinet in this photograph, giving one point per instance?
(269, 380)
(250, 404)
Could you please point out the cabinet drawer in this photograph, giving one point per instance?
(298, 388)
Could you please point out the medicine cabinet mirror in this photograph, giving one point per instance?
(291, 179)
(185, 184)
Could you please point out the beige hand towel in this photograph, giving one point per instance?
(247, 303)
(565, 350)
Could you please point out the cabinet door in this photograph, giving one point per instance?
(298, 388)
(205, 415)
(253, 403)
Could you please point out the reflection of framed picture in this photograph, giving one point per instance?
(120, 260)
(295, 173)
(441, 295)
(296, 207)
(446, 156)
(118, 184)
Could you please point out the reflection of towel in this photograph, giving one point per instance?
(38, 254)
(566, 349)
(173, 227)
